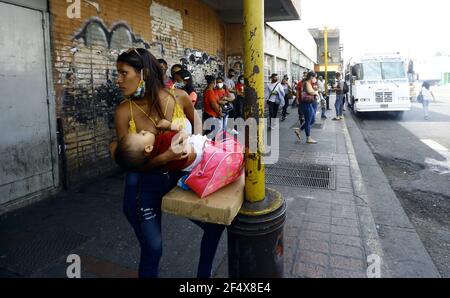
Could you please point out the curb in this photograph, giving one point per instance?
(371, 241)
(388, 228)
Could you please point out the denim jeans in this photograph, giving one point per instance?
(324, 111)
(142, 207)
(339, 104)
(308, 113)
(284, 109)
(314, 105)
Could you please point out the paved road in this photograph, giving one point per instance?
(414, 155)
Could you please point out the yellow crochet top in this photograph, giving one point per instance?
(178, 118)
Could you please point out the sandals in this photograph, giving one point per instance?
(298, 133)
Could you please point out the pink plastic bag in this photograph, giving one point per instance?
(222, 164)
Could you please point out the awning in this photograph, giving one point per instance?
(230, 11)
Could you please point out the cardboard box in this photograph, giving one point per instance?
(220, 207)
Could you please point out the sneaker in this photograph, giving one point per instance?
(324, 117)
(283, 118)
(311, 141)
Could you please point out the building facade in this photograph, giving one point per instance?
(58, 98)
(335, 51)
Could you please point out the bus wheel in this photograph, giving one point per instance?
(399, 115)
(355, 112)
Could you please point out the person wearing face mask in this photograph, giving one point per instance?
(167, 81)
(211, 107)
(225, 98)
(230, 84)
(274, 94)
(183, 81)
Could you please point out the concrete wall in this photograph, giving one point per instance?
(84, 54)
(283, 57)
(333, 48)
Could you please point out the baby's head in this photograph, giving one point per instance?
(133, 150)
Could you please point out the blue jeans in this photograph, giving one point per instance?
(309, 114)
(339, 104)
(315, 105)
(142, 207)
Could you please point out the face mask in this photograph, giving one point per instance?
(140, 91)
(242, 81)
(179, 85)
(220, 85)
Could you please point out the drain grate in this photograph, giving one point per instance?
(301, 175)
(31, 253)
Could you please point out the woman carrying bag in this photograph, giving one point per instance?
(309, 96)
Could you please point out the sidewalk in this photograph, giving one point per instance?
(329, 231)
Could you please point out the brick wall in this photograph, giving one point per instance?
(234, 43)
(84, 52)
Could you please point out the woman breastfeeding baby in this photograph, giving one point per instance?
(154, 153)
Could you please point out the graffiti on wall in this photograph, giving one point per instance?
(86, 77)
(201, 64)
(235, 62)
(168, 29)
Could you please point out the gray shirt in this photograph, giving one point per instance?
(231, 85)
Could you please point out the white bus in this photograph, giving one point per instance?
(378, 83)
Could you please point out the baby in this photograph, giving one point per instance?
(135, 150)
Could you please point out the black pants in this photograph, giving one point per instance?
(238, 111)
(273, 111)
(284, 110)
(301, 117)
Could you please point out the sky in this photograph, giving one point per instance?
(416, 29)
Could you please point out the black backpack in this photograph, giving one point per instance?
(345, 91)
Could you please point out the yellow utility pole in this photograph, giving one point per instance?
(255, 188)
(255, 237)
(325, 37)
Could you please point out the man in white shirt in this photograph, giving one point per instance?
(339, 105)
(230, 84)
(274, 95)
(321, 89)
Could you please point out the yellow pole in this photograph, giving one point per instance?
(325, 37)
(255, 189)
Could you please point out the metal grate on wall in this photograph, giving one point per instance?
(301, 175)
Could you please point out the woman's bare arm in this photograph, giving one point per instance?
(310, 90)
(189, 111)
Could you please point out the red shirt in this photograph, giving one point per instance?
(240, 87)
(299, 91)
(210, 97)
(221, 92)
(162, 144)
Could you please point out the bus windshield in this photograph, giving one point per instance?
(383, 71)
(393, 70)
(372, 71)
